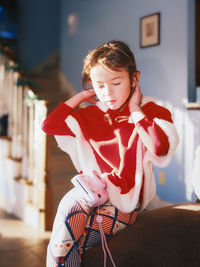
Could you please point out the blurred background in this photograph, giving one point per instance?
(43, 44)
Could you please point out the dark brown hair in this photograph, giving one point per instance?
(114, 55)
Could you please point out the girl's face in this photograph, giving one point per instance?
(111, 87)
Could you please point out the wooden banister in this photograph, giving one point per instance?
(26, 112)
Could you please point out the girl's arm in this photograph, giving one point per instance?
(148, 121)
(86, 95)
(55, 124)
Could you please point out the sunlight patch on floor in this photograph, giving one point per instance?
(188, 207)
(14, 228)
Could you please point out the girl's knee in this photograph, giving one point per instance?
(69, 222)
(70, 203)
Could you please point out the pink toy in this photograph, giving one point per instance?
(94, 188)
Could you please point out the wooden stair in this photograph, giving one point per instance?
(60, 168)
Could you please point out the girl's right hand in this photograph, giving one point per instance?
(89, 96)
(84, 96)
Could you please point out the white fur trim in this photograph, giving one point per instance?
(124, 202)
(68, 144)
(137, 116)
(149, 187)
(86, 157)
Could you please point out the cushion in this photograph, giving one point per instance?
(168, 236)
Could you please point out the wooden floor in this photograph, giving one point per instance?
(20, 244)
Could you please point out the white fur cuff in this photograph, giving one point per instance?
(137, 116)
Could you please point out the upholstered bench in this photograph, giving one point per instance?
(164, 237)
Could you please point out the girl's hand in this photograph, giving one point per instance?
(135, 101)
(84, 96)
(90, 96)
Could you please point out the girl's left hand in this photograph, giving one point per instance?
(135, 101)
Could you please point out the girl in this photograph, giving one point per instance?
(117, 138)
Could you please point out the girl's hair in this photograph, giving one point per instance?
(114, 55)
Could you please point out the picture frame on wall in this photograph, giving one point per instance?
(150, 30)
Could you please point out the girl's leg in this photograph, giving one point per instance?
(113, 222)
(68, 228)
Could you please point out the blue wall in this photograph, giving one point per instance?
(39, 31)
(162, 67)
(167, 70)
